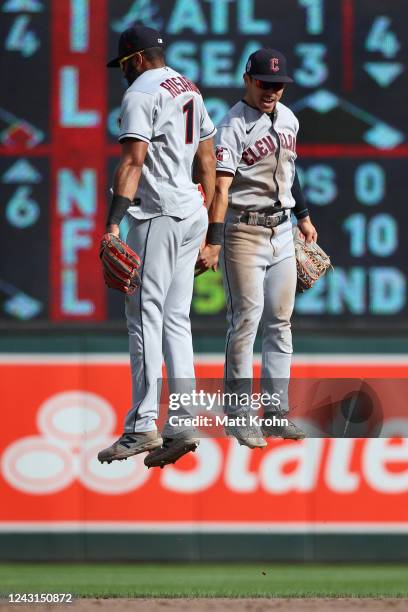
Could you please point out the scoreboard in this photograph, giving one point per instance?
(59, 107)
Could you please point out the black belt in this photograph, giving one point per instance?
(263, 219)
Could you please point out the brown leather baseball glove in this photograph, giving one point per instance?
(120, 264)
(311, 261)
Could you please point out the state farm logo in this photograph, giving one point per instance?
(73, 427)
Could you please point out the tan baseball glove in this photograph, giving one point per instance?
(311, 261)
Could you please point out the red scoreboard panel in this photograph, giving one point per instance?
(58, 144)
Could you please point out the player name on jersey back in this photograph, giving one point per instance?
(179, 85)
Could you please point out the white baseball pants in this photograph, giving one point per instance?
(158, 315)
(259, 272)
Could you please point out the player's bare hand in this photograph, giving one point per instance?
(209, 256)
(308, 229)
(200, 266)
(113, 229)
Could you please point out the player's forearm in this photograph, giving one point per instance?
(219, 204)
(125, 183)
(205, 174)
(216, 215)
(207, 184)
(204, 168)
(126, 179)
(301, 211)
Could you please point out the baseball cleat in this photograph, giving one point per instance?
(288, 432)
(247, 435)
(172, 449)
(130, 444)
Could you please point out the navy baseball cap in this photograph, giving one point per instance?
(268, 65)
(136, 38)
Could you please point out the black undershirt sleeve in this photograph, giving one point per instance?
(300, 208)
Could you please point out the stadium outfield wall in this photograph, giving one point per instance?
(320, 499)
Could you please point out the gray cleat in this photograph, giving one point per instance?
(290, 431)
(172, 449)
(247, 434)
(130, 444)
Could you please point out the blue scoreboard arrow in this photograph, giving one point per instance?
(21, 172)
(384, 73)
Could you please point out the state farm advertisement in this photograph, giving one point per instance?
(59, 411)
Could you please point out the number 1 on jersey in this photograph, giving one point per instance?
(188, 108)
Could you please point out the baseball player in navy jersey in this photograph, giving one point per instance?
(257, 189)
(165, 131)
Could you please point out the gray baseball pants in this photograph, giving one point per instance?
(259, 272)
(158, 315)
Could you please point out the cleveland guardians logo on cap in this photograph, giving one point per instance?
(268, 65)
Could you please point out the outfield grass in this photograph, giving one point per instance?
(206, 580)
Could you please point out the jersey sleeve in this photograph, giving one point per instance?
(137, 116)
(207, 128)
(230, 145)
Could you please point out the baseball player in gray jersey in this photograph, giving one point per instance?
(257, 189)
(165, 130)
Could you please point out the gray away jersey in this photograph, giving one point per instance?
(166, 110)
(259, 154)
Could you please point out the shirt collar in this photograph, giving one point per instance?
(272, 116)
